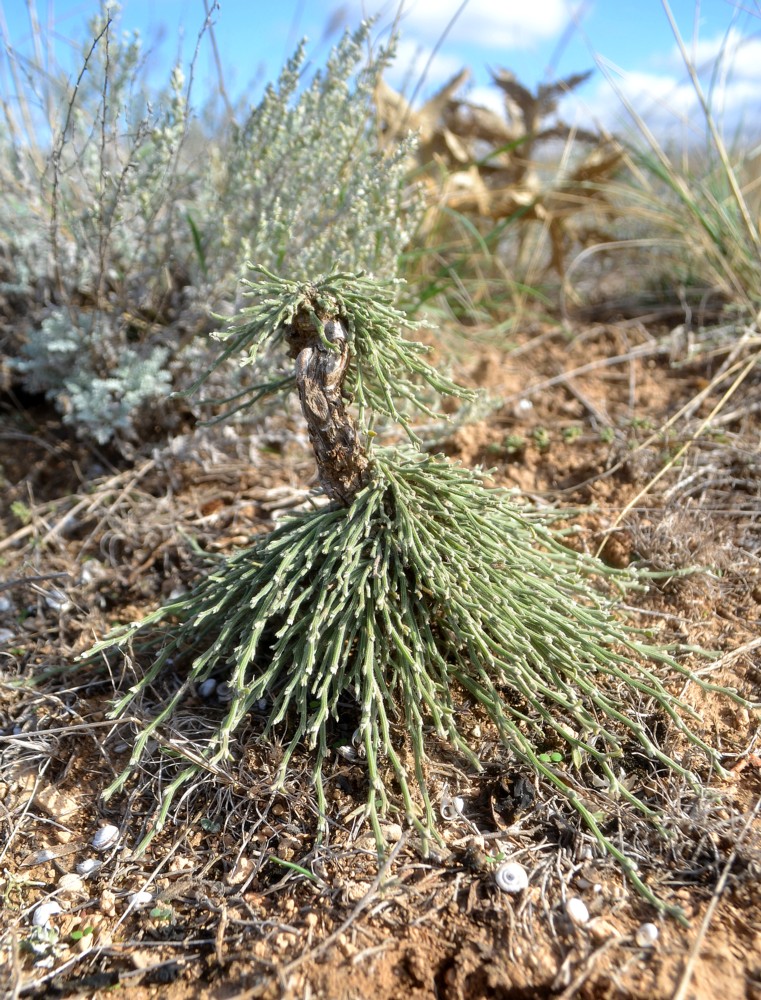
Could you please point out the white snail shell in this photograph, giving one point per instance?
(206, 688)
(646, 936)
(88, 867)
(511, 877)
(451, 808)
(224, 693)
(43, 913)
(577, 911)
(139, 899)
(105, 837)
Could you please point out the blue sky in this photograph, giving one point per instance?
(539, 40)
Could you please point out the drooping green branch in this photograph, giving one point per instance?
(417, 591)
(385, 372)
(428, 590)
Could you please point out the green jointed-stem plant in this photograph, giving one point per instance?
(415, 592)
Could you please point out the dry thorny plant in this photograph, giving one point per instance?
(491, 168)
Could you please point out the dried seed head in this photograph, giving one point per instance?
(511, 877)
(46, 854)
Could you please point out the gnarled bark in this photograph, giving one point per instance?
(341, 462)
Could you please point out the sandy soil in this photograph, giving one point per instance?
(227, 915)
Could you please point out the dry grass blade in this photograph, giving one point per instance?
(685, 981)
(697, 201)
(706, 423)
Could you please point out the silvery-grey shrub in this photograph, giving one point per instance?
(65, 358)
(125, 221)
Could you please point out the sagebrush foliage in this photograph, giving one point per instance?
(65, 359)
(302, 185)
(126, 218)
(428, 592)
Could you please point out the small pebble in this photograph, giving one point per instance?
(43, 913)
(142, 958)
(601, 930)
(105, 837)
(392, 832)
(243, 869)
(6, 635)
(646, 936)
(6, 604)
(107, 902)
(511, 877)
(577, 911)
(70, 885)
(60, 806)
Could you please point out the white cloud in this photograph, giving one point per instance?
(729, 67)
(739, 56)
(496, 24)
(490, 23)
(649, 93)
(667, 103)
(411, 61)
(488, 97)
